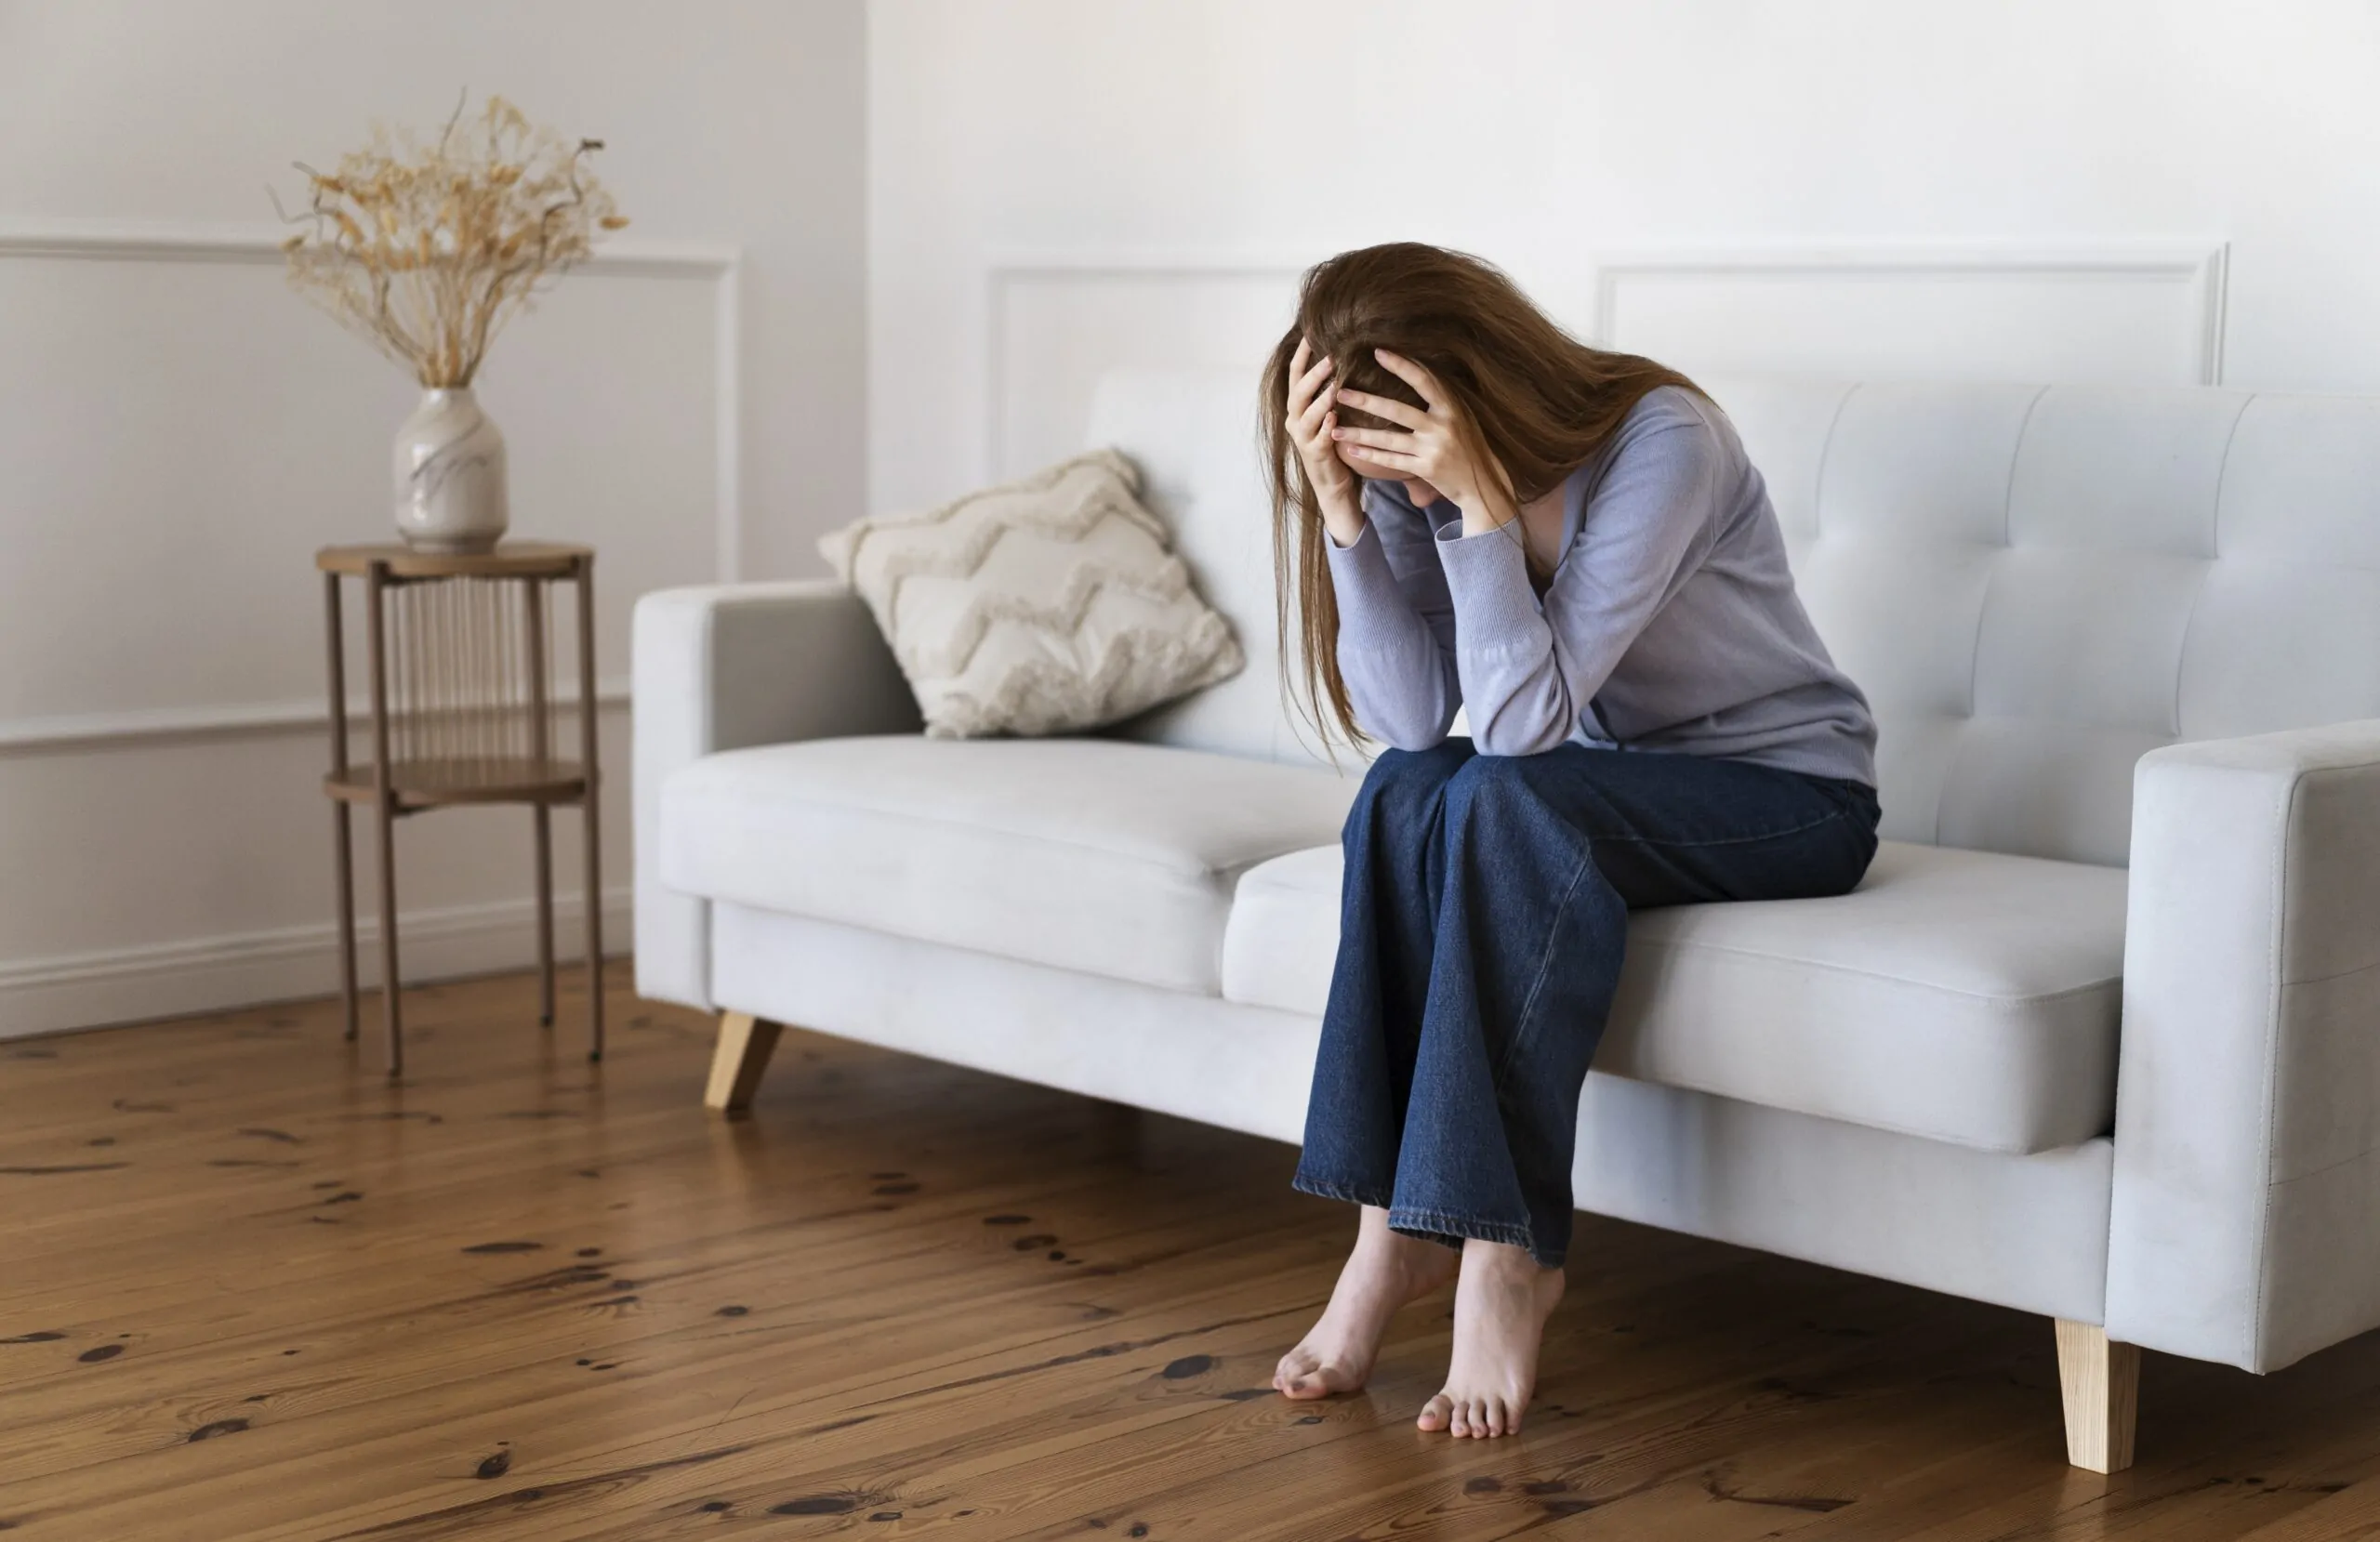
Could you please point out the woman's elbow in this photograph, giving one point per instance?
(1408, 729)
(1412, 742)
(1506, 733)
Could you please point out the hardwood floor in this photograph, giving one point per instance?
(250, 1290)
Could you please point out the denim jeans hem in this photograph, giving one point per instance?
(1439, 1226)
(1323, 1187)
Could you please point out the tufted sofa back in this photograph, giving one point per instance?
(2035, 584)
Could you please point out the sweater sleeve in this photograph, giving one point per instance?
(1397, 623)
(1528, 670)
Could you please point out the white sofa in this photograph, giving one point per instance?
(2098, 1037)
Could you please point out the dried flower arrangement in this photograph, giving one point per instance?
(428, 250)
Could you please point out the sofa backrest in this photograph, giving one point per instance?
(2033, 585)
(1192, 435)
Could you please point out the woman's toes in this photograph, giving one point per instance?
(1301, 1374)
(1436, 1414)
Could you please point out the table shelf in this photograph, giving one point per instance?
(403, 564)
(437, 783)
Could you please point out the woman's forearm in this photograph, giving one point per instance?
(1400, 676)
(1506, 661)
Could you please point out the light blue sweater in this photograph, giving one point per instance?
(1671, 623)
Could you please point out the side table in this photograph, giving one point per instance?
(460, 654)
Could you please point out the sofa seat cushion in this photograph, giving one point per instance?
(1098, 854)
(1962, 995)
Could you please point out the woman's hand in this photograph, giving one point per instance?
(1312, 421)
(1438, 444)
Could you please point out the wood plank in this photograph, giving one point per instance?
(902, 1287)
(2351, 1513)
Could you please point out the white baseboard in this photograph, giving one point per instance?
(206, 975)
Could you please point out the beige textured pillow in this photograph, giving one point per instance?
(1049, 605)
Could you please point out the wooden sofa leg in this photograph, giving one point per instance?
(2101, 1381)
(736, 1064)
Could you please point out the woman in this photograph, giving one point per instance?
(1472, 508)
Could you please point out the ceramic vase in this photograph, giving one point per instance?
(449, 468)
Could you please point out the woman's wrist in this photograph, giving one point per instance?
(1343, 521)
(1484, 512)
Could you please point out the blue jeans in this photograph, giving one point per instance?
(1482, 922)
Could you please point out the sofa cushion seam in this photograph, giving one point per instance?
(1888, 1128)
(1200, 868)
(2004, 1002)
(1201, 992)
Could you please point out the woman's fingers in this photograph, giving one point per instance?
(1308, 416)
(1387, 407)
(1305, 367)
(1304, 356)
(1417, 453)
(1385, 439)
(1403, 461)
(1311, 382)
(1318, 447)
(1413, 375)
(1307, 397)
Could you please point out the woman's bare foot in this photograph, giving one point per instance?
(1501, 1304)
(1386, 1270)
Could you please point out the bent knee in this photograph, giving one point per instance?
(1489, 784)
(1492, 776)
(1399, 769)
(1403, 787)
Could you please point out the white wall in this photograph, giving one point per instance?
(2153, 190)
(179, 433)
(974, 206)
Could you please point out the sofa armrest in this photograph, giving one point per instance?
(727, 666)
(2246, 1218)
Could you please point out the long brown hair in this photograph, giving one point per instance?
(1543, 402)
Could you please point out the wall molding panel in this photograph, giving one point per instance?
(1009, 276)
(720, 265)
(205, 974)
(237, 720)
(2180, 292)
(2167, 304)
